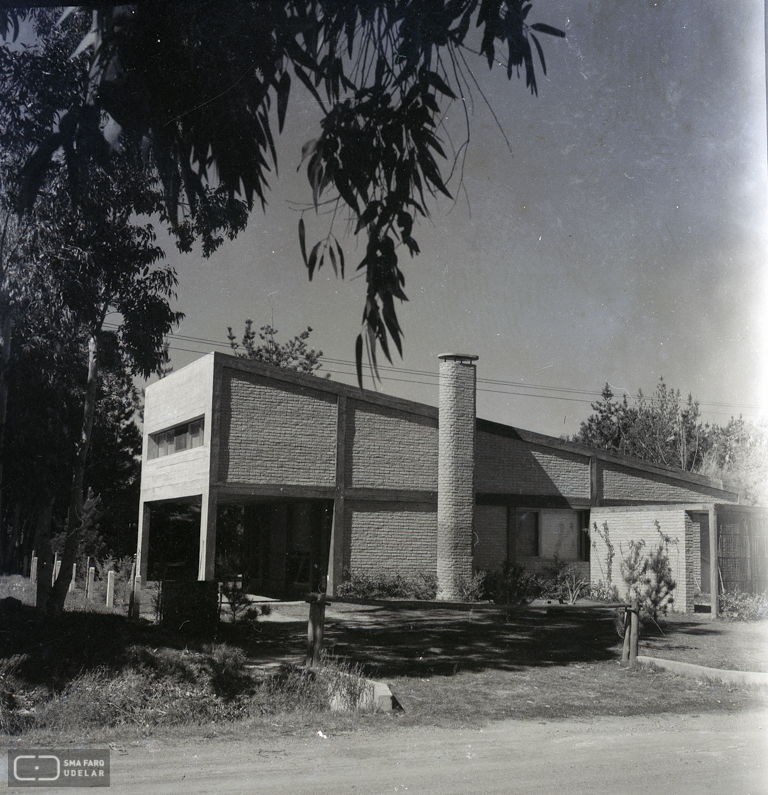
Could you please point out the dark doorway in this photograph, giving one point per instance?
(174, 541)
(276, 548)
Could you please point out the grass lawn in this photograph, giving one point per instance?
(446, 667)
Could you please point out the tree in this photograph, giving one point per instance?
(662, 429)
(85, 257)
(193, 85)
(666, 430)
(293, 355)
(738, 454)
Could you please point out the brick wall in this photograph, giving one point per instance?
(638, 524)
(506, 465)
(455, 474)
(390, 448)
(692, 558)
(624, 483)
(385, 536)
(276, 432)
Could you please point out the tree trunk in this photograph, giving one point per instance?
(58, 594)
(6, 332)
(43, 548)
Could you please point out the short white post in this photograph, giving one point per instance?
(72, 581)
(33, 569)
(110, 588)
(89, 588)
(56, 568)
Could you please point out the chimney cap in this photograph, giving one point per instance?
(470, 357)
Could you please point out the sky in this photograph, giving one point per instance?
(620, 237)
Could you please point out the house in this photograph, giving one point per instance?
(283, 479)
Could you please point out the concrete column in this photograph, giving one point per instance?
(336, 553)
(206, 568)
(714, 579)
(142, 548)
(456, 472)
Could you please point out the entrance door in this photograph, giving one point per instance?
(308, 545)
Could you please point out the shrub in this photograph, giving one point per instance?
(389, 585)
(565, 584)
(513, 585)
(472, 588)
(738, 606)
(649, 577)
(601, 592)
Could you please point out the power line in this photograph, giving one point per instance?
(562, 393)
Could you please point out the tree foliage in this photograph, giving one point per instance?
(662, 428)
(294, 354)
(665, 429)
(197, 87)
(79, 256)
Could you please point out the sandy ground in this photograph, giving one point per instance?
(721, 754)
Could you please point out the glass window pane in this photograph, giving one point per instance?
(527, 543)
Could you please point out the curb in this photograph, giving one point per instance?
(750, 678)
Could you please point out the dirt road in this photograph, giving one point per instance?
(721, 754)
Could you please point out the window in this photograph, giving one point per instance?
(526, 534)
(174, 440)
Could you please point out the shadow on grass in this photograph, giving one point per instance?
(52, 653)
(389, 641)
(406, 642)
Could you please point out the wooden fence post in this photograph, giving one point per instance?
(72, 581)
(89, 588)
(33, 569)
(627, 625)
(634, 630)
(315, 629)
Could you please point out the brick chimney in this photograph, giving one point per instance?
(456, 472)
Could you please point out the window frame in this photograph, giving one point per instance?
(178, 438)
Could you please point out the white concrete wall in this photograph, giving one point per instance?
(179, 397)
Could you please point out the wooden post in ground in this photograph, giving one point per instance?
(56, 566)
(634, 631)
(311, 624)
(33, 569)
(319, 630)
(89, 587)
(72, 581)
(625, 647)
(110, 588)
(134, 598)
(315, 629)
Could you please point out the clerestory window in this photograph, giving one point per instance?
(173, 440)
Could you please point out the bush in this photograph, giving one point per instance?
(472, 588)
(737, 606)
(649, 577)
(389, 585)
(601, 592)
(565, 584)
(513, 585)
